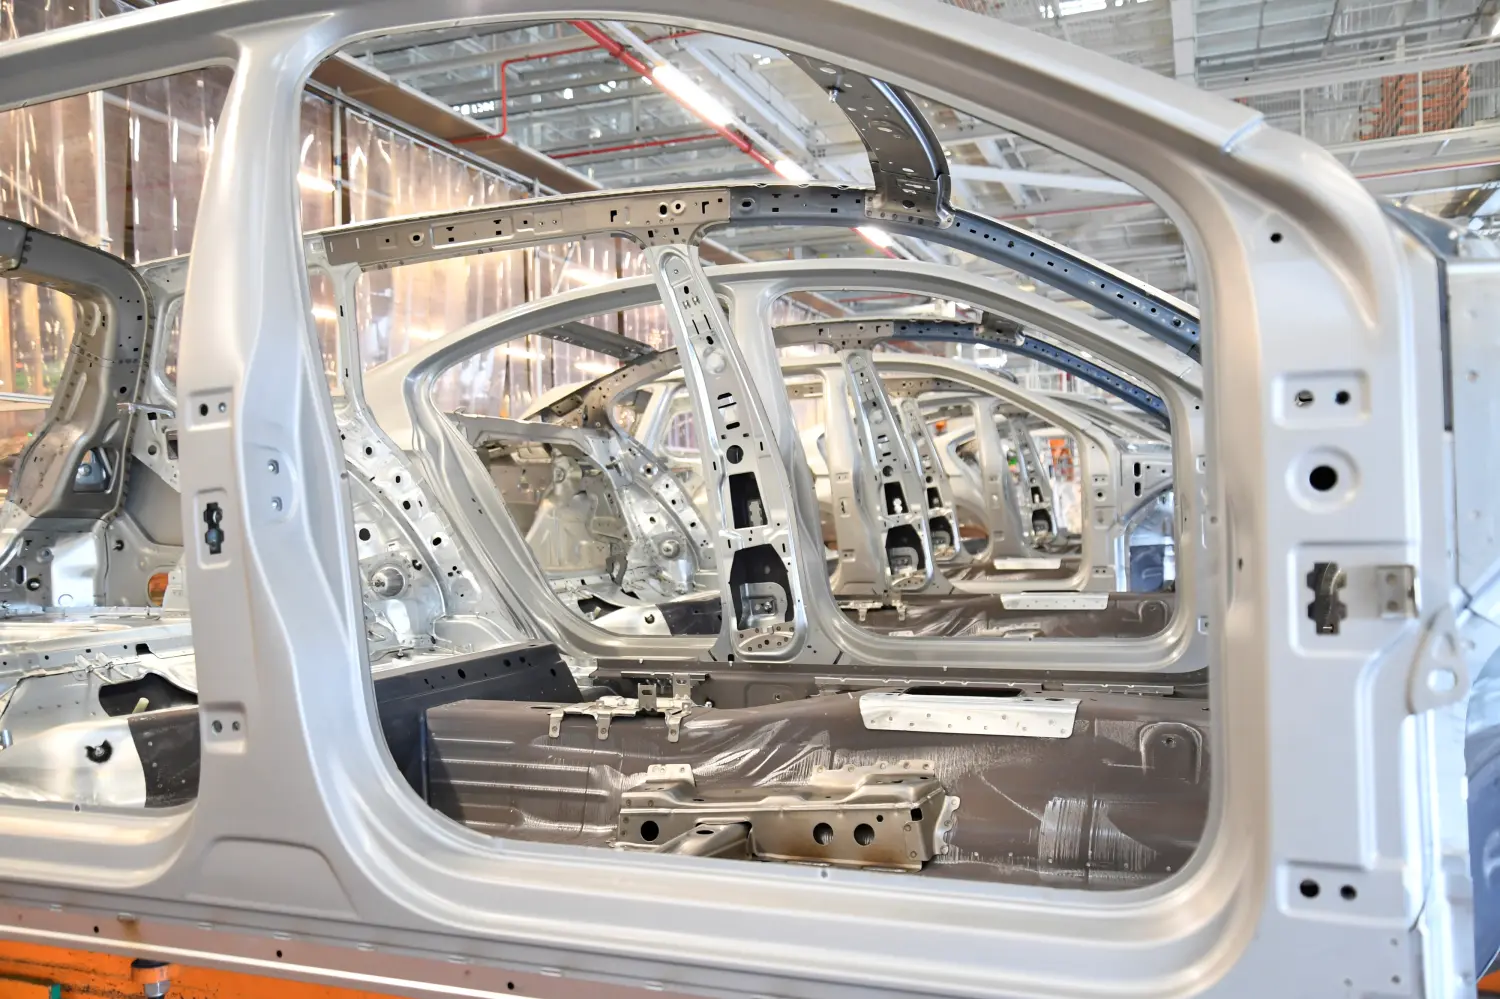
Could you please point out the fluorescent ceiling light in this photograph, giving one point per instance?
(876, 235)
(695, 97)
(594, 367)
(792, 171)
(325, 312)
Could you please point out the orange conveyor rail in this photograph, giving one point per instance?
(30, 971)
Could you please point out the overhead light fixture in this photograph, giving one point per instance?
(792, 171)
(326, 313)
(567, 93)
(594, 367)
(695, 97)
(876, 235)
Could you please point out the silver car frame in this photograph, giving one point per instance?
(1338, 758)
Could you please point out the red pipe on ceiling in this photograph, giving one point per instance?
(504, 80)
(614, 48)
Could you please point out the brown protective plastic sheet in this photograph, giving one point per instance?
(1119, 803)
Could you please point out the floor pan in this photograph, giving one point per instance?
(1119, 802)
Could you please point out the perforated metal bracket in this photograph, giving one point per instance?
(906, 159)
(891, 816)
(890, 490)
(649, 701)
(1439, 676)
(1006, 526)
(590, 405)
(858, 569)
(1036, 488)
(651, 217)
(941, 508)
(600, 341)
(748, 488)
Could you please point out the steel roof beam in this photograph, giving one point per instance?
(663, 210)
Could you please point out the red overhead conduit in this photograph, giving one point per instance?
(505, 80)
(614, 48)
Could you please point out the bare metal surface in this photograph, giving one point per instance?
(894, 816)
(1114, 804)
(1336, 288)
(1036, 717)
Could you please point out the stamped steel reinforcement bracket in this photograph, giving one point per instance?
(895, 816)
(747, 485)
(859, 571)
(942, 511)
(906, 160)
(891, 483)
(1037, 506)
(1007, 529)
(884, 539)
(648, 700)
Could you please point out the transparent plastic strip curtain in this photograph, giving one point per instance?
(123, 170)
(391, 173)
(52, 170)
